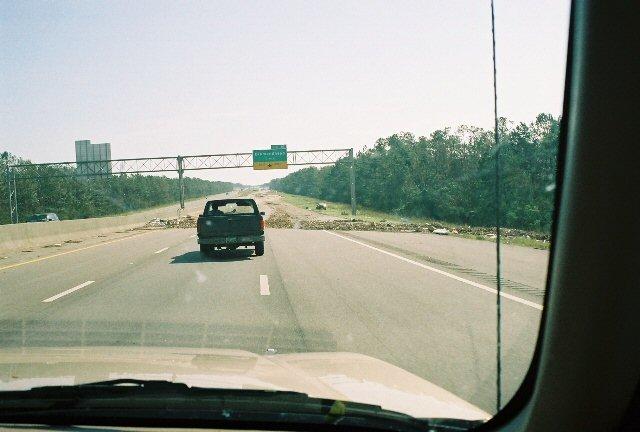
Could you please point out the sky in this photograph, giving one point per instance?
(167, 78)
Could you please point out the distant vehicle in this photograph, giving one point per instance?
(43, 217)
(229, 224)
(321, 206)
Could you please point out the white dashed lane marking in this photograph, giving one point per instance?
(264, 285)
(69, 291)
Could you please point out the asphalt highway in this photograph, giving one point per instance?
(406, 299)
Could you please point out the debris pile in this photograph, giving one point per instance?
(52, 245)
(279, 219)
(360, 225)
(185, 222)
(433, 227)
(155, 223)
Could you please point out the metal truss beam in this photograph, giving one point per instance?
(178, 164)
(168, 164)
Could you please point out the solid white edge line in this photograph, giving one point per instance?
(69, 291)
(264, 285)
(161, 250)
(441, 272)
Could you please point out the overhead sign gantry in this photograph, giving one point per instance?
(272, 159)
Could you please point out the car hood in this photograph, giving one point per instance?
(343, 376)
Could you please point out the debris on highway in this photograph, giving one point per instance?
(185, 222)
(52, 245)
(441, 231)
(434, 228)
(360, 225)
(284, 215)
(279, 219)
(156, 223)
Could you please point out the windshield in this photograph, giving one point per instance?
(397, 203)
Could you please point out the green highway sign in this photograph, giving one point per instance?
(278, 146)
(270, 159)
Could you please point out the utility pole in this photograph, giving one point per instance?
(352, 175)
(180, 182)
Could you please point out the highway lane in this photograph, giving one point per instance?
(427, 323)
(523, 265)
(325, 293)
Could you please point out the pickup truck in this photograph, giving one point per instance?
(43, 217)
(229, 224)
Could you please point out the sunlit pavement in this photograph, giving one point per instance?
(311, 291)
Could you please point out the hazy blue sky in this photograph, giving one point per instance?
(167, 78)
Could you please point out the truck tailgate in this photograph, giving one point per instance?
(214, 226)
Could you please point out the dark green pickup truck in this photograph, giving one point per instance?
(229, 224)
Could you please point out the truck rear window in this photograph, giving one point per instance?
(216, 208)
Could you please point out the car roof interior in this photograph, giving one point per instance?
(585, 374)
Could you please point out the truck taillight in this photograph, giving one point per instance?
(262, 224)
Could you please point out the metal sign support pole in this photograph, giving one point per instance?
(181, 182)
(13, 195)
(352, 175)
(6, 176)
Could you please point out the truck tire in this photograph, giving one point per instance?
(259, 248)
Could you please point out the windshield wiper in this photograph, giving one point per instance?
(133, 402)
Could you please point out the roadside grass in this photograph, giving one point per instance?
(343, 211)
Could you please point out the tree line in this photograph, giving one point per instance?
(449, 175)
(82, 197)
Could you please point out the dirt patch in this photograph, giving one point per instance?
(273, 202)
